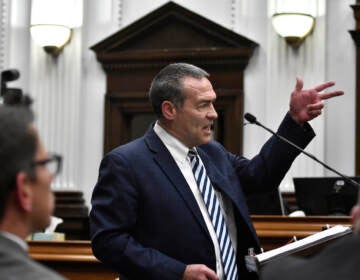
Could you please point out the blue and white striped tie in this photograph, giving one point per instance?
(213, 206)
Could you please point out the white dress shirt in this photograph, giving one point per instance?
(180, 154)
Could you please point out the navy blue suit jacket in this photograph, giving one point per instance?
(145, 222)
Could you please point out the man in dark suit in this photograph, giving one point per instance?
(151, 218)
(26, 200)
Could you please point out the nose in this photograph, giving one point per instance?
(212, 114)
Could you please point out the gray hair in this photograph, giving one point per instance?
(167, 84)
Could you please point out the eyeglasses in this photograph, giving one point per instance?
(53, 163)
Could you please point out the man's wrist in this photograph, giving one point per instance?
(294, 116)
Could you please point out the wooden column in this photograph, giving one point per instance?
(356, 36)
(70, 206)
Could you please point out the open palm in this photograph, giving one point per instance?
(306, 104)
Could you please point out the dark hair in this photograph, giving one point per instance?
(167, 84)
(18, 144)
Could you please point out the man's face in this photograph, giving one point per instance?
(193, 121)
(43, 197)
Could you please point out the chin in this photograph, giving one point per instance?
(205, 141)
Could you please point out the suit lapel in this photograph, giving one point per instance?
(216, 177)
(224, 185)
(170, 169)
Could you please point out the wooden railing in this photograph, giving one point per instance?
(74, 259)
(275, 231)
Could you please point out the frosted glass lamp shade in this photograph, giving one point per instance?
(294, 27)
(50, 36)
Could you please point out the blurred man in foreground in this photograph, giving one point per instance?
(26, 200)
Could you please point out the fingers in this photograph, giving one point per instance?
(299, 83)
(199, 271)
(211, 275)
(314, 110)
(323, 86)
(315, 106)
(328, 95)
(306, 104)
(314, 113)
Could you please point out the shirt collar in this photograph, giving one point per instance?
(176, 148)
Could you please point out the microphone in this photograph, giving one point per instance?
(252, 119)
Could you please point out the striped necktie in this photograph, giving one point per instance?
(216, 216)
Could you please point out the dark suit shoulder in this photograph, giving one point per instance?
(128, 147)
(213, 148)
(149, 143)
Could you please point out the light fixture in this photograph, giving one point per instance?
(52, 23)
(51, 37)
(294, 27)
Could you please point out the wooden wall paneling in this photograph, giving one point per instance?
(132, 56)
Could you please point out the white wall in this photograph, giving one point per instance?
(283, 65)
(74, 83)
(340, 66)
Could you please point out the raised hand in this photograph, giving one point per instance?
(306, 104)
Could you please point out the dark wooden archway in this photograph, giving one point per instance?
(132, 56)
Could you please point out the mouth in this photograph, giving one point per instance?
(208, 128)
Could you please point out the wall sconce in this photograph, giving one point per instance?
(51, 37)
(52, 23)
(294, 27)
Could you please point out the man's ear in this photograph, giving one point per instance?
(168, 110)
(24, 191)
